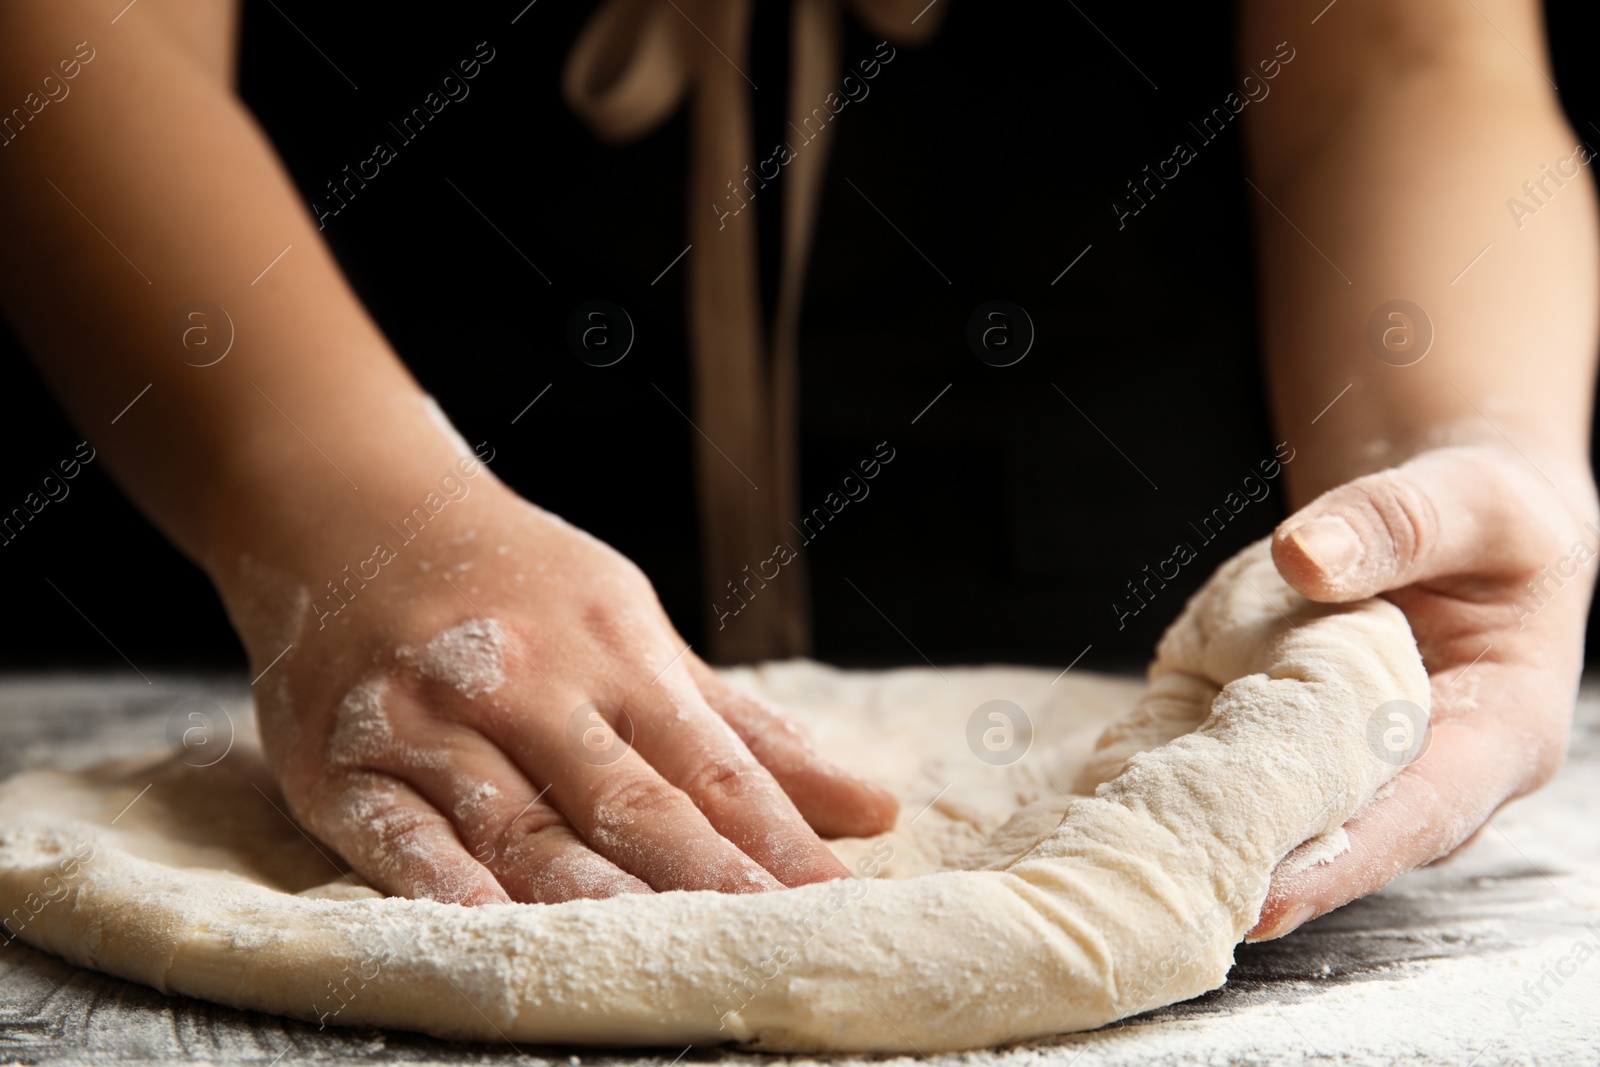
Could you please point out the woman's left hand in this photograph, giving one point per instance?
(1494, 569)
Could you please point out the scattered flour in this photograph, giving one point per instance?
(400, 847)
(273, 607)
(475, 801)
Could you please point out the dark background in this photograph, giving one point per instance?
(1006, 523)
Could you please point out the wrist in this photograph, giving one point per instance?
(280, 535)
(1563, 467)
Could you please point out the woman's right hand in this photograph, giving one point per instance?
(504, 712)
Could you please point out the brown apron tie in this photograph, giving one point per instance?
(632, 66)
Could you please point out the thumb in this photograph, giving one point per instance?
(1441, 514)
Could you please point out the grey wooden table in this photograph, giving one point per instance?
(1442, 967)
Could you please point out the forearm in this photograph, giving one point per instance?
(1397, 171)
(147, 187)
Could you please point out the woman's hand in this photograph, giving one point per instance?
(1494, 569)
(504, 712)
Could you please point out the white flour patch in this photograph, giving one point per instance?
(1320, 849)
(361, 727)
(469, 657)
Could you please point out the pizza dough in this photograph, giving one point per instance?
(1001, 909)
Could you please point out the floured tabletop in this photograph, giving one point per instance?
(1456, 964)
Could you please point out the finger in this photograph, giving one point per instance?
(1429, 809)
(505, 824)
(833, 801)
(622, 808)
(539, 858)
(1436, 516)
(399, 842)
(694, 749)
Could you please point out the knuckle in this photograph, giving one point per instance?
(303, 807)
(366, 811)
(1405, 514)
(318, 803)
(1544, 737)
(516, 828)
(400, 824)
(1547, 763)
(718, 781)
(626, 798)
(630, 574)
(610, 626)
(534, 834)
(761, 725)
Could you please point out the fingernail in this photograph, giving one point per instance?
(1331, 543)
(1291, 920)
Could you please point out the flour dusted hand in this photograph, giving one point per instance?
(500, 711)
(1493, 566)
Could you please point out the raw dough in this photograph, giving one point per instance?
(992, 918)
